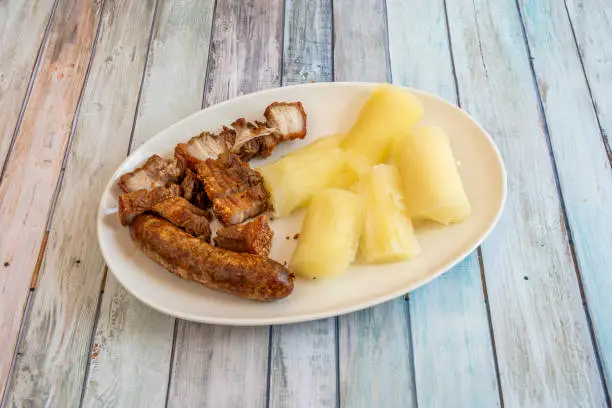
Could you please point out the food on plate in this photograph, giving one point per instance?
(185, 215)
(138, 202)
(321, 144)
(387, 114)
(237, 192)
(284, 121)
(245, 275)
(388, 235)
(254, 237)
(194, 192)
(155, 172)
(432, 186)
(293, 180)
(330, 234)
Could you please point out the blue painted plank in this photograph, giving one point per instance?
(584, 170)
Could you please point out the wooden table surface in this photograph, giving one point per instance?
(525, 321)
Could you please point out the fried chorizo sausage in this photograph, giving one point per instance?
(245, 275)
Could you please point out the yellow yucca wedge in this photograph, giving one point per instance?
(330, 234)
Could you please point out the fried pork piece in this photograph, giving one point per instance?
(244, 275)
(254, 139)
(138, 202)
(185, 215)
(155, 172)
(236, 191)
(205, 146)
(193, 191)
(289, 119)
(254, 237)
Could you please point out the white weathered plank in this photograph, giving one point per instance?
(450, 329)
(544, 350)
(22, 24)
(32, 171)
(374, 344)
(303, 365)
(132, 348)
(584, 169)
(592, 28)
(50, 368)
(245, 56)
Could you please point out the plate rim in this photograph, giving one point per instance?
(338, 311)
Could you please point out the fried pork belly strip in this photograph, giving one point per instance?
(138, 202)
(289, 119)
(254, 237)
(240, 274)
(185, 215)
(193, 191)
(236, 191)
(155, 172)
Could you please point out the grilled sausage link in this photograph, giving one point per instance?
(240, 274)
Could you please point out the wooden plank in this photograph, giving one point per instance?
(592, 30)
(51, 365)
(303, 356)
(245, 57)
(132, 348)
(26, 192)
(450, 328)
(22, 24)
(374, 344)
(307, 54)
(544, 350)
(584, 169)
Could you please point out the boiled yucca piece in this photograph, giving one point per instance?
(431, 183)
(388, 113)
(330, 234)
(321, 144)
(293, 180)
(388, 235)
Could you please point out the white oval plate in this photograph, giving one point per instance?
(331, 108)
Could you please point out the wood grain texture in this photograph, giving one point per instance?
(22, 24)
(129, 368)
(52, 360)
(27, 190)
(449, 322)
(307, 54)
(584, 169)
(245, 56)
(374, 344)
(592, 29)
(303, 356)
(544, 350)
(132, 348)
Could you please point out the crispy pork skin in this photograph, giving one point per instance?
(185, 215)
(240, 274)
(254, 237)
(138, 202)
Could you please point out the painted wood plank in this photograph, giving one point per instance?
(584, 169)
(592, 29)
(450, 327)
(303, 356)
(131, 355)
(245, 56)
(27, 190)
(544, 350)
(50, 368)
(22, 24)
(374, 345)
